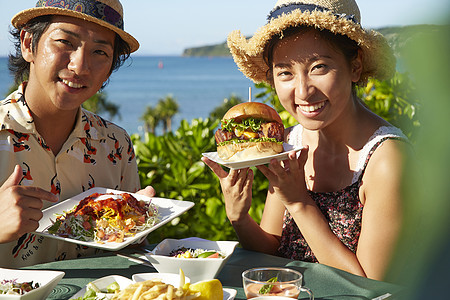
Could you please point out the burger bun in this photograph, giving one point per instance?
(249, 150)
(256, 110)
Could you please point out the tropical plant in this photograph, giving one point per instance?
(163, 112)
(167, 108)
(151, 119)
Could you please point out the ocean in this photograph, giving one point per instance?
(199, 84)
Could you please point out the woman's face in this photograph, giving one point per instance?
(313, 80)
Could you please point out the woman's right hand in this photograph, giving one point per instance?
(20, 209)
(236, 188)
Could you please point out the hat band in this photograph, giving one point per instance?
(288, 8)
(94, 9)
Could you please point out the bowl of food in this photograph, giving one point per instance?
(199, 259)
(273, 282)
(27, 284)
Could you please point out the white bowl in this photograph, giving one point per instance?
(47, 281)
(196, 269)
(169, 278)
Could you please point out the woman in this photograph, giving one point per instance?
(339, 201)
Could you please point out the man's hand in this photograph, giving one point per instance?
(20, 209)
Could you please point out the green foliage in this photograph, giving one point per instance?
(395, 100)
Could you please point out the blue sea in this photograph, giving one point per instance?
(199, 84)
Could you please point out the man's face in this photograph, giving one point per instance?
(70, 63)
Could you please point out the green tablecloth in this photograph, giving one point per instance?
(324, 281)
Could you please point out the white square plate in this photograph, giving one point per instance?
(46, 279)
(102, 283)
(168, 209)
(252, 162)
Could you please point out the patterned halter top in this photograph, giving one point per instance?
(343, 208)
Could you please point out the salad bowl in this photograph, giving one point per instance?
(196, 269)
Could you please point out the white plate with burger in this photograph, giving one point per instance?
(252, 162)
(251, 134)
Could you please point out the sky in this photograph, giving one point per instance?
(168, 27)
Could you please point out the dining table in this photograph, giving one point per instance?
(324, 281)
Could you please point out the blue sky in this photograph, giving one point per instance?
(168, 27)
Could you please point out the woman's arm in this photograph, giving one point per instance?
(381, 194)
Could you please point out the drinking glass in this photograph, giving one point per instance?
(273, 282)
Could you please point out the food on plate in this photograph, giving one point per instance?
(208, 289)
(155, 289)
(250, 130)
(13, 287)
(106, 218)
(93, 292)
(184, 252)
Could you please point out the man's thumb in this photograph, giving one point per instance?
(14, 178)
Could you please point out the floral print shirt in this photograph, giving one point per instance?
(97, 153)
(343, 209)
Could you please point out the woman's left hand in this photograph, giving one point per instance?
(287, 178)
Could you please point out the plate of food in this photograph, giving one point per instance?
(27, 284)
(252, 162)
(108, 219)
(150, 285)
(251, 134)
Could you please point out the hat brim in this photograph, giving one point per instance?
(25, 16)
(378, 59)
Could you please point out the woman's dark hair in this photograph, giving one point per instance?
(348, 47)
(20, 68)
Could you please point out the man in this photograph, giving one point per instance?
(51, 148)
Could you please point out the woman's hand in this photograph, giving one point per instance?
(287, 178)
(236, 188)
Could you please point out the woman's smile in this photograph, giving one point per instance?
(312, 108)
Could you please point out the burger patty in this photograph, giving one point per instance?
(269, 130)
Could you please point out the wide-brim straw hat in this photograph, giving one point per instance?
(338, 16)
(107, 13)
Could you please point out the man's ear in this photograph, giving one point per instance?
(357, 66)
(26, 45)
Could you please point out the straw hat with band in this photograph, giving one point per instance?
(107, 13)
(337, 16)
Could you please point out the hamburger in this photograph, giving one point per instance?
(249, 130)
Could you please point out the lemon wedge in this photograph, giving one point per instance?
(209, 289)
